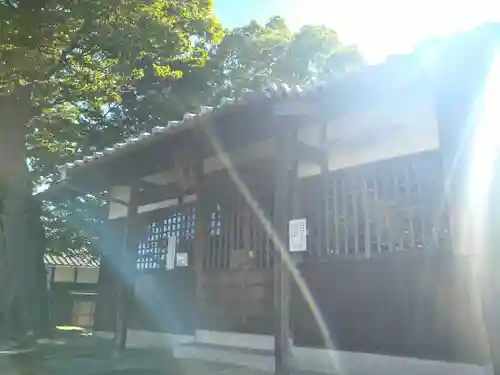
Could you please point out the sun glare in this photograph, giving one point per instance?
(485, 148)
(389, 27)
(486, 135)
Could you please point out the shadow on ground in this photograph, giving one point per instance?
(133, 372)
(78, 352)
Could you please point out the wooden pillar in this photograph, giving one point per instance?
(325, 186)
(198, 184)
(281, 274)
(127, 270)
(200, 244)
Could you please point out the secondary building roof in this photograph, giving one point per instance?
(81, 260)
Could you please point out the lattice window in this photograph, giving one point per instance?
(392, 205)
(179, 224)
(152, 250)
(235, 233)
(215, 222)
(215, 255)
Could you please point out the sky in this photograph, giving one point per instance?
(378, 27)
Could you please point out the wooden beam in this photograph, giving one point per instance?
(158, 193)
(202, 215)
(127, 270)
(281, 273)
(295, 107)
(200, 246)
(144, 185)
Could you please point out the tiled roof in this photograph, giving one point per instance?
(188, 120)
(71, 260)
(395, 64)
(383, 77)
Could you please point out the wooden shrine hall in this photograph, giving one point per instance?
(315, 216)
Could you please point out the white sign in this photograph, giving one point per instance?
(297, 235)
(171, 245)
(181, 260)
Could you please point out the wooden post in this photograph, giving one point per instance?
(281, 273)
(492, 311)
(200, 242)
(127, 270)
(325, 187)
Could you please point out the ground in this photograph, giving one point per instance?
(77, 352)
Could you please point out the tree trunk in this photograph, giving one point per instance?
(17, 258)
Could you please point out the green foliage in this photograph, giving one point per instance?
(97, 71)
(255, 56)
(70, 67)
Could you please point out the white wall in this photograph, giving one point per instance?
(64, 274)
(87, 275)
(378, 134)
(255, 151)
(117, 209)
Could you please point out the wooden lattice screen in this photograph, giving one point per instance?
(391, 205)
(177, 221)
(233, 231)
(386, 206)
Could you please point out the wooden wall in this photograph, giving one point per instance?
(105, 309)
(410, 304)
(62, 301)
(404, 304)
(237, 300)
(390, 289)
(165, 301)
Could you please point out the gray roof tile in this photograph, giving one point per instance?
(83, 259)
(246, 96)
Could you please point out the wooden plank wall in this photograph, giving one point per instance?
(105, 313)
(405, 304)
(236, 288)
(376, 295)
(237, 301)
(111, 239)
(164, 301)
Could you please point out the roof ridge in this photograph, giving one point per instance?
(189, 119)
(75, 260)
(275, 90)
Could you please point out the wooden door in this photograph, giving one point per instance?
(83, 313)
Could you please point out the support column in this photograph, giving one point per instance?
(282, 189)
(200, 244)
(126, 269)
(201, 222)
